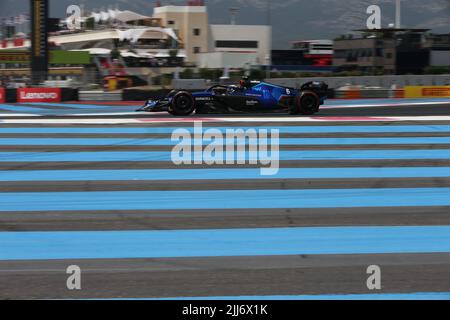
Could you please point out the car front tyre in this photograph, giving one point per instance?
(183, 104)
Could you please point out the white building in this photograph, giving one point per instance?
(216, 46)
(237, 45)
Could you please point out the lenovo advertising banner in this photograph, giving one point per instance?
(25, 95)
(2, 95)
(39, 40)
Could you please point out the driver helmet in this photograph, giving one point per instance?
(245, 82)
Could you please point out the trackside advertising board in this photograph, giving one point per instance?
(2, 95)
(427, 92)
(25, 95)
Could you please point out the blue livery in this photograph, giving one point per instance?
(247, 97)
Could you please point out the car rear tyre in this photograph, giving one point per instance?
(183, 104)
(307, 103)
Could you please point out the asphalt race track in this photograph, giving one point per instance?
(362, 183)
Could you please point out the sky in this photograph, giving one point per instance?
(291, 19)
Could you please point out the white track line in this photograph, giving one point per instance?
(69, 121)
(103, 114)
(225, 120)
(397, 104)
(7, 115)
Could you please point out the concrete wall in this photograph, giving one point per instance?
(370, 81)
(384, 83)
(190, 84)
(99, 96)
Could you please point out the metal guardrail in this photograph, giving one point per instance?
(369, 94)
(339, 94)
(386, 82)
(189, 84)
(99, 96)
(382, 82)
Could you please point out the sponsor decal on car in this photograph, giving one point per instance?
(253, 95)
(252, 102)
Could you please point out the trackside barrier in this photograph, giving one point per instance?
(412, 92)
(141, 95)
(189, 84)
(99, 96)
(386, 82)
(25, 95)
(399, 94)
(30, 95)
(353, 94)
(11, 95)
(69, 94)
(427, 92)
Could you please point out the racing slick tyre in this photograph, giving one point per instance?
(183, 104)
(307, 103)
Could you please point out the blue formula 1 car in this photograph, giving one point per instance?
(247, 97)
